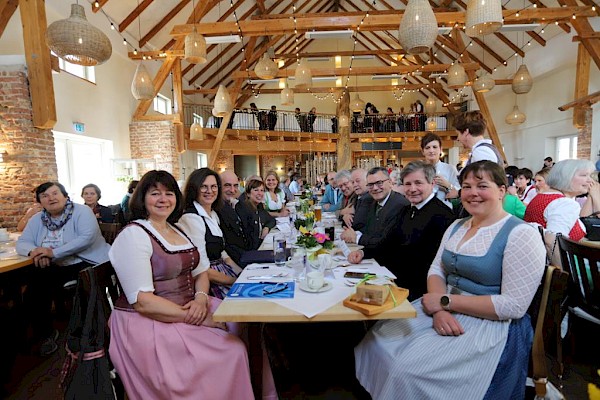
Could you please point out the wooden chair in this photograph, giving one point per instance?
(583, 263)
(109, 231)
(546, 315)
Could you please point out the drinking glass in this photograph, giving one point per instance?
(279, 249)
(318, 214)
(297, 261)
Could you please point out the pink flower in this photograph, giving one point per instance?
(321, 237)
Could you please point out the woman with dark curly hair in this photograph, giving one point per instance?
(256, 221)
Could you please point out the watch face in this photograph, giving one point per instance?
(444, 301)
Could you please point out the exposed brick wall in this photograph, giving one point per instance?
(224, 161)
(155, 140)
(584, 136)
(30, 159)
(271, 162)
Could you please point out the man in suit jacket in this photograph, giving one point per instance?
(358, 179)
(235, 240)
(332, 198)
(382, 212)
(413, 242)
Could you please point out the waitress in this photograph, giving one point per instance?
(201, 223)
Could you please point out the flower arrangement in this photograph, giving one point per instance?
(306, 222)
(310, 239)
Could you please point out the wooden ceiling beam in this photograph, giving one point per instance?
(101, 4)
(178, 106)
(134, 14)
(377, 21)
(346, 53)
(582, 83)
(562, 25)
(583, 28)
(7, 9)
(448, 43)
(487, 48)
(588, 100)
(37, 55)
(370, 88)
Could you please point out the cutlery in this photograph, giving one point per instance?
(271, 276)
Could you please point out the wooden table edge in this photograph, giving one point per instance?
(15, 265)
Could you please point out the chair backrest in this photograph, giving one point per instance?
(109, 231)
(583, 263)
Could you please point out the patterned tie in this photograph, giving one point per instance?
(378, 209)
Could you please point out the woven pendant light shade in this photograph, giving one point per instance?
(223, 105)
(195, 48)
(303, 75)
(431, 125)
(457, 77)
(483, 17)
(77, 41)
(344, 121)
(214, 112)
(515, 117)
(266, 68)
(430, 105)
(287, 96)
(484, 83)
(196, 131)
(142, 86)
(418, 27)
(522, 82)
(357, 105)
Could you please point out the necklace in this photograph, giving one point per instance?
(161, 228)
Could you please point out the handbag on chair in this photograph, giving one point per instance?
(592, 226)
(85, 373)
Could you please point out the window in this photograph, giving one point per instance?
(87, 73)
(162, 104)
(566, 147)
(201, 160)
(198, 119)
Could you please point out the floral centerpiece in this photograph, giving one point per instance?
(315, 243)
(307, 221)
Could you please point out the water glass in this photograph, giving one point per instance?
(297, 261)
(279, 249)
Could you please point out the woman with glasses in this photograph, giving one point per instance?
(274, 196)
(201, 223)
(256, 221)
(164, 343)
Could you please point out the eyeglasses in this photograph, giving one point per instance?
(378, 184)
(272, 289)
(229, 185)
(206, 188)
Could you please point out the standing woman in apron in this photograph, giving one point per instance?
(200, 222)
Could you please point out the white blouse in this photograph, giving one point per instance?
(522, 267)
(274, 205)
(130, 256)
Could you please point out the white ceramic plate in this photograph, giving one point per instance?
(326, 286)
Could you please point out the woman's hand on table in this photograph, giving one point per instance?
(445, 324)
(197, 310)
(264, 232)
(41, 256)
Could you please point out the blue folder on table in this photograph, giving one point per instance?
(254, 290)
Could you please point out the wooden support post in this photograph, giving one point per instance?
(37, 54)
(582, 79)
(178, 106)
(344, 153)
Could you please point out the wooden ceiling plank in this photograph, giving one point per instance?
(487, 48)
(7, 9)
(178, 106)
(161, 24)
(323, 89)
(452, 46)
(101, 4)
(261, 6)
(483, 107)
(584, 101)
(510, 44)
(37, 55)
(134, 14)
(343, 53)
(384, 20)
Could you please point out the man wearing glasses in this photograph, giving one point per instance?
(235, 240)
(413, 242)
(382, 213)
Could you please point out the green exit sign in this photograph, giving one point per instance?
(79, 127)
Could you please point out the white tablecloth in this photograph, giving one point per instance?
(309, 304)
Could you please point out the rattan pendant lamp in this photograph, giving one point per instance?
(223, 104)
(142, 87)
(484, 83)
(194, 45)
(430, 105)
(77, 41)
(266, 68)
(516, 116)
(287, 95)
(457, 77)
(483, 17)
(522, 81)
(418, 27)
(196, 131)
(303, 75)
